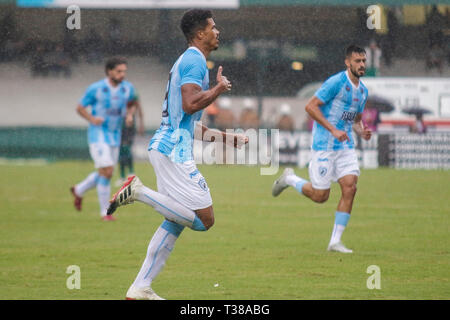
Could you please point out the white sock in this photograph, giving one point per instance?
(104, 193)
(159, 249)
(170, 209)
(87, 184)
(340, 222)
(337, 233)
(292, 180)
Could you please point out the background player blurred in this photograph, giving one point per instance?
(111, 101)
(126, 161)
(336, 109)
(183, 196)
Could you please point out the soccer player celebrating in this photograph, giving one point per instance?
(183, 197)
(112, 101)
(336, 108)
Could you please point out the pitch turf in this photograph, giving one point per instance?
(260, 247)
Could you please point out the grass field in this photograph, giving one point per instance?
(260, 247)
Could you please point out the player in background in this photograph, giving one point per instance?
(126, 143)
(111, 100)
(183, 196)
(336, 109)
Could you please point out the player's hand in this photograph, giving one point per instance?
(340, 135)
(367, 133)
(129, 120)
(238, 140)
(222, 81)
(97, 121)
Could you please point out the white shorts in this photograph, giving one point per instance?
(104, 155)
(326, 167)
(181, 181)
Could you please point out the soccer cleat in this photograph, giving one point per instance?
(77, 199)
(339, 247)
(125, 195)
(146, 293)
(280, 184)
(108, 218)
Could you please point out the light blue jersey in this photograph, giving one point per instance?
(174, 138)
(342, 102)
(110, 103)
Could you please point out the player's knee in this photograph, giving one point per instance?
(320, 197)
(208, 221)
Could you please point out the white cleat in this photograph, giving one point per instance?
(339, 247)
(146, 293)
(280, 184)
(125, 195)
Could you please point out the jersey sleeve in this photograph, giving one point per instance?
(363, 104)
(329, 89)
(89, 97)
(192, 69)
(133, 94)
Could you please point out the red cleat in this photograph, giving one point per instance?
(108, 218)
(77, 201)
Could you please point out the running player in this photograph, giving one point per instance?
(111, 100)
(336, 108)
(183, 196)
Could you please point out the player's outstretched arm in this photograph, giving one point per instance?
(214, 135)
(313, 109)
(194, 99)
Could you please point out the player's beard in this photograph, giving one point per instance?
(356, 72)
(116, 81)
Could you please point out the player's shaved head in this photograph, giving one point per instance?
(194, 20)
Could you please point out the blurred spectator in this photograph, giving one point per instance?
(435, 58)
(59, 61)
(373, 56)
(371, 117)
(286, 122)
(419, 125)
(435, 23)
(94, 47)
(39, 66)
(225, 118)
(115, 36)
(70, 45)
(249, 117)
(392, 36)
(211, 112)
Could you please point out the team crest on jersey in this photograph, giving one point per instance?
(347, 88)
(322, 171)
(202, 184)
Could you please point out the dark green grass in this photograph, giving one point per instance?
(260, 247)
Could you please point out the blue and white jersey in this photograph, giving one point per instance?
(342, 102)
(174, 138)
(110, 103)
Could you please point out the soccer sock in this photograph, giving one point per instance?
(296, 182)
(104, 193)
(159, 249)
(170, 209)
(88, 183)
(340, 222)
